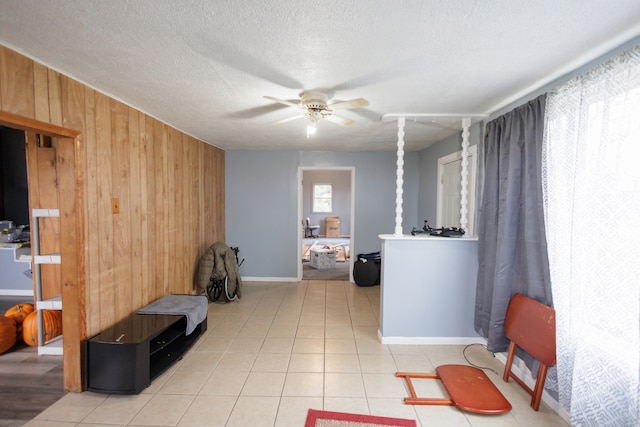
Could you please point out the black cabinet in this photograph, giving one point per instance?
(125, 358)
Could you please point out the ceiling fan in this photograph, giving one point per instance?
(315, 107)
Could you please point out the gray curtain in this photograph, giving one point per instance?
(512, 249)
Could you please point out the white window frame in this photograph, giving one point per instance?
(314, 198)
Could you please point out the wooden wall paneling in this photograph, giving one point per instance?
(69, 166)
(191, 261)
(31, 139)
(187, 234)
(136, 223)
(170, 250)
(171, 194)
(179, 246)
(92, 224)
(181, 213)
(103, 211)
(197, 203)
(149, 232)
(55, 98)
(41, 166)
(16, 77)
(70, 176)
(170, 214)
(41, 92)
(120, 162)
(47, 182)
(146, 161)
(194, 211)
(72, 96)
(160, 174)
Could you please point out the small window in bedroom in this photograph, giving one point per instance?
(322, 198)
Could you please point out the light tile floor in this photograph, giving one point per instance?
(285, 348)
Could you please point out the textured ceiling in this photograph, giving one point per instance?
(204, 66)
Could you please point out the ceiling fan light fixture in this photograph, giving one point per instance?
(314, 115)
(315, 107)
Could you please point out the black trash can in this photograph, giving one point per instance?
(366, 269)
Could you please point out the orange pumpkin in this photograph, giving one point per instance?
(51, 323)
(8, 333)
(20, 311)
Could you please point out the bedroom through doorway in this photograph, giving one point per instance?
(325, 216)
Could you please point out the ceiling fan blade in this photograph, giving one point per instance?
(338, 120)
(283, 101)
(345, 105)
(288, 119)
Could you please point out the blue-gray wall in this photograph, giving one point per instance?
(262, 203)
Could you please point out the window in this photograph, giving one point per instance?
(322, 198)
(590, 177)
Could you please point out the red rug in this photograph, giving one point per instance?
(340, 419)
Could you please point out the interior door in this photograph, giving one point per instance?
(451, 185)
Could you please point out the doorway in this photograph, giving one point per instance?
(14, 215)
(67, 186)
(449, 189)
(331, 210)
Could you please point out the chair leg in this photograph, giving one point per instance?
(507, 366)
(537, 392)
(414, 399)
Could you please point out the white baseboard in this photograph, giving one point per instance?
(270, 279)
(280, 279)
(430, 340)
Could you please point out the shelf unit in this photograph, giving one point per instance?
(53, 346)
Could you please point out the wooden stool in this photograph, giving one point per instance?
(469, 389)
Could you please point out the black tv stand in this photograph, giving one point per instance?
(126, 357)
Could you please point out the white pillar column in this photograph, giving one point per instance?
(399, 176)
(464, 182)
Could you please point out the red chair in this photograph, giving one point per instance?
(469, 389)
(531, 326)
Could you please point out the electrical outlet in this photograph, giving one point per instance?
(115, 206)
